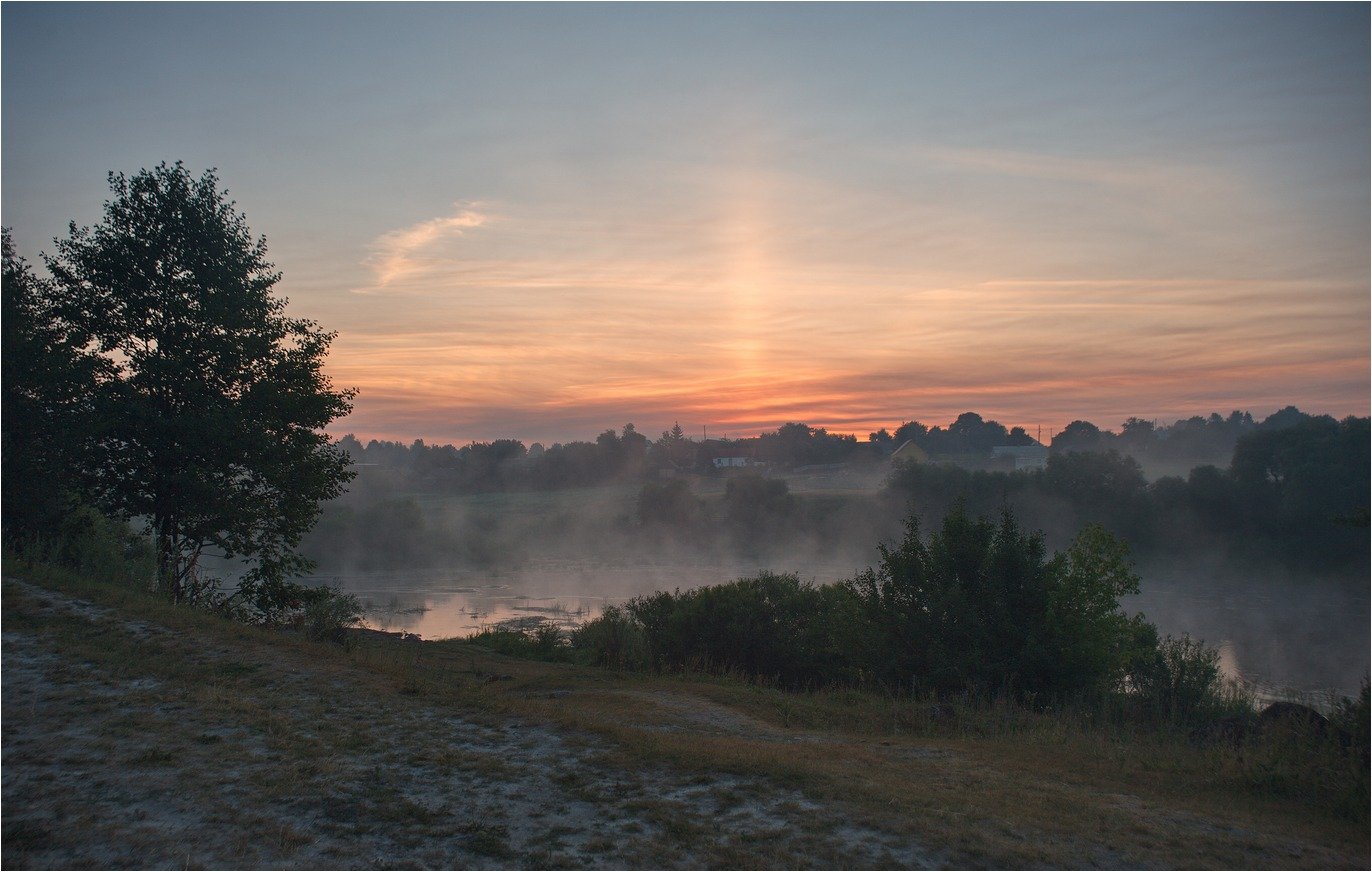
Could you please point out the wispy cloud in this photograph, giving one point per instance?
(403, 252)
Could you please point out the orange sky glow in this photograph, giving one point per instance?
(540, 221)
(501, 324)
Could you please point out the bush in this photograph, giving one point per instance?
(541, 639)
(1351, 718)
(670, 505)
(758, 511)
(615, 639)
(326, 617)
(94, 544)
(1180, 682)
(980, 607)
(770, 626)
(1297, 754)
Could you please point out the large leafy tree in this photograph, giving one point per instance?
(215, 400)
(49, 421)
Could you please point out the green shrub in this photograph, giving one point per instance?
(1323, 764)
(615, 639)
(93, 544)
(769, 626)
(1351, 717)
(1180, 682)
(979, 606)
(326, 617)
(669, 505)
(542, 640)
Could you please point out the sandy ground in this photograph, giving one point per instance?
(254, 756)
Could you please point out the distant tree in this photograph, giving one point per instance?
(1211, 495)
(758, 510)
(1306, 486)
(908, 431)
(796, 444)
(1018, 436)
(217, 399)
(484, 467)
(1080, 436)
(973, 435)
(670, 506)
(1204, 440)
(354, 449)
(1103, 487)
(635, 445)
(1138, 436)
(1095, 480)
(1287, 417)
(674, 449)
(621, 454)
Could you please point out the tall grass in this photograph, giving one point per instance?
(88, 547)
(90, 544)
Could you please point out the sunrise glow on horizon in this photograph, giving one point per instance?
(541, 222)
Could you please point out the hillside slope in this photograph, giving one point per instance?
(138, 735)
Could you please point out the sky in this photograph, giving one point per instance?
(542, 221)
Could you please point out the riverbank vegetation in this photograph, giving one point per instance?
(1002, 781)
(976, 611)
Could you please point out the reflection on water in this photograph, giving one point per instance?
(452, 604)
(1286, 637)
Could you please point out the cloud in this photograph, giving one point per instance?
(402, 252)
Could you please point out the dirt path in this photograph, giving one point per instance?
(125, 745)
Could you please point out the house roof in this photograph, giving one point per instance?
(908, 447)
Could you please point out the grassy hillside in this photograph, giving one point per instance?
(138, 734)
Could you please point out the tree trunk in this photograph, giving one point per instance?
(168, 560)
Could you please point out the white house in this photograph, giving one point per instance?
(726, 462)
(1024, 456)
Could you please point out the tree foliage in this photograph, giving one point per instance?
(771, 626)
(981, 605)
(49, 421)
(214, 397)
(977, 605)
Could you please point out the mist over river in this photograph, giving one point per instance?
(1286, 636)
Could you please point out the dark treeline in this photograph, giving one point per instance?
(1191, 442)
(509, 464)
(1298, 494)
(1294, 490)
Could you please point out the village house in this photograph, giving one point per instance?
(1023, 456)
(909, 452)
